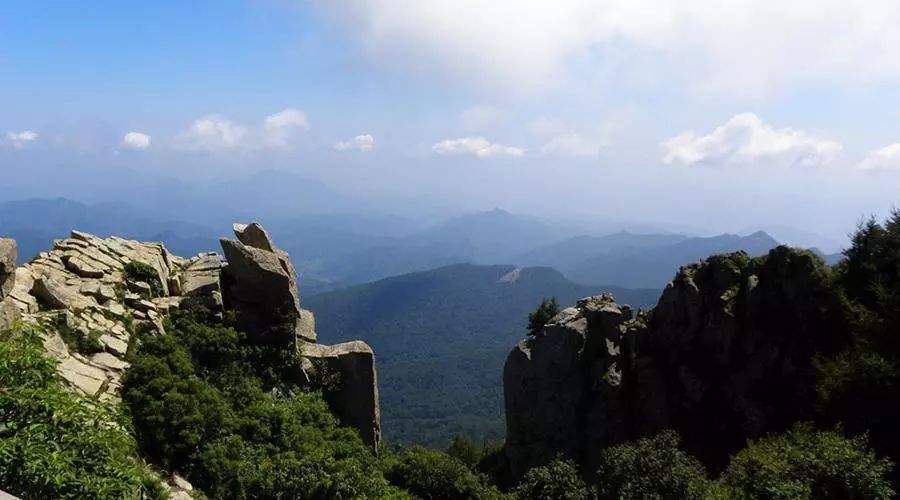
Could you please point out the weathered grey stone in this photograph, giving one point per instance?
(306, 326)
(253, 235)
(8, 255)
(261, 287)
(51, 294)
(202, 275)
(83, 268)
(355, 400)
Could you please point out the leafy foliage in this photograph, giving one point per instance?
(230, 414)
(547, 309)
(650, 468)
(559, 480)
(140, 271)
(76, 340)
(58, 444)
(430, 474)
(808, 463)
(860, 387)
(465, 451)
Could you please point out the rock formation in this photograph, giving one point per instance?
(355, 397)
(262, 287)
(8, 255)
(726, 355)
(108, 288)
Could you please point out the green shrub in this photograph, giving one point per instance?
(75, 340)
(650, 468)
(808, 463)
(558, 480)
(231, 416)
(58, 444)
(547, 309)
(139, 271)
(430, 474)
(465, 451)
(494, 464)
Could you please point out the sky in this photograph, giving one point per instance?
(709, 115)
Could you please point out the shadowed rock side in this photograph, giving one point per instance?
(726, 355)
(8, 253)
(100, 288)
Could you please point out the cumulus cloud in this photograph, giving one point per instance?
(283, 126)
(21, 139)
(745, 45)
(213, 133)
(136, 140)
(745, 139)
(475, 146)
(363, 142)
(217, 133)
(886, 158)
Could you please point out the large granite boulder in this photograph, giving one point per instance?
(260, 284)
(354, 395)
(726, 356)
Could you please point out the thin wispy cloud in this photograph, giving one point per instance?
(217, 133)
(883, 159)
(475, 146)
(362, 143)
(19, 140)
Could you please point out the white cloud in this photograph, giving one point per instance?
(475, 146)
(744, 140)
(20, 139)
(217, 133)
(886, 158)
(213, 133)
(363, 142)
(136, 140)
(743, 45)
(281, 127)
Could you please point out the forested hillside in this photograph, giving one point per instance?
(441, 337)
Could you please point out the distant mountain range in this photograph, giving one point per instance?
(441, 337)
(333, 251)
(638, 260)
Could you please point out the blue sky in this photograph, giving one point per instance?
(690, 113)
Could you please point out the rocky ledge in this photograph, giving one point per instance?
(726, 355)
(107, 289)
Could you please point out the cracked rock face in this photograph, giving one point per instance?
(81, 287)
(725, 356)
(261, 286)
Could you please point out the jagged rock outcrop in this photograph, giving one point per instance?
(261, 286)
(726, 355)
(86, 287)
(81, 287)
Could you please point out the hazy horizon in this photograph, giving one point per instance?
(689, 118)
